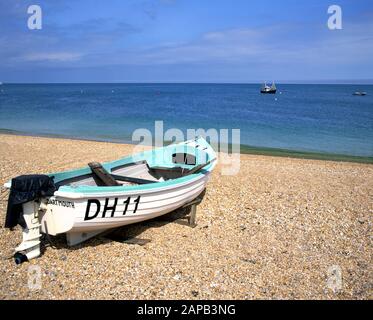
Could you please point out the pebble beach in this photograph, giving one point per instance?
(279, 229)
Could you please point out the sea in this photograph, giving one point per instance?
(325, 119)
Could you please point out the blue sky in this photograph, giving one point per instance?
(185, 41)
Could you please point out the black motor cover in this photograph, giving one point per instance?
(24, 189)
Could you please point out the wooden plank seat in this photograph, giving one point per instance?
(110, 180)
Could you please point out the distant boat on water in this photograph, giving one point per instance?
(359, 93)
(268, 89)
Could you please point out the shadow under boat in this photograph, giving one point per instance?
(128, 234)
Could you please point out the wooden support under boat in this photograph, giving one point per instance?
(193, 209)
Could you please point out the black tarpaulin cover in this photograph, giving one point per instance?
(24, 189)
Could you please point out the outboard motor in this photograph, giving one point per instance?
(24, 204)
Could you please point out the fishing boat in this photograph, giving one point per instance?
(85, 202)
(268, 89)
(359, 93)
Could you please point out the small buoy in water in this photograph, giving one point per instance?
(280, 92)
(275, 99)
(112, 91)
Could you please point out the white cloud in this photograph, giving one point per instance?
(275, 45)
(52, 56)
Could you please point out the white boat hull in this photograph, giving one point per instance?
(64, 215)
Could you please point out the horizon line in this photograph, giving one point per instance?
(320, 82)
